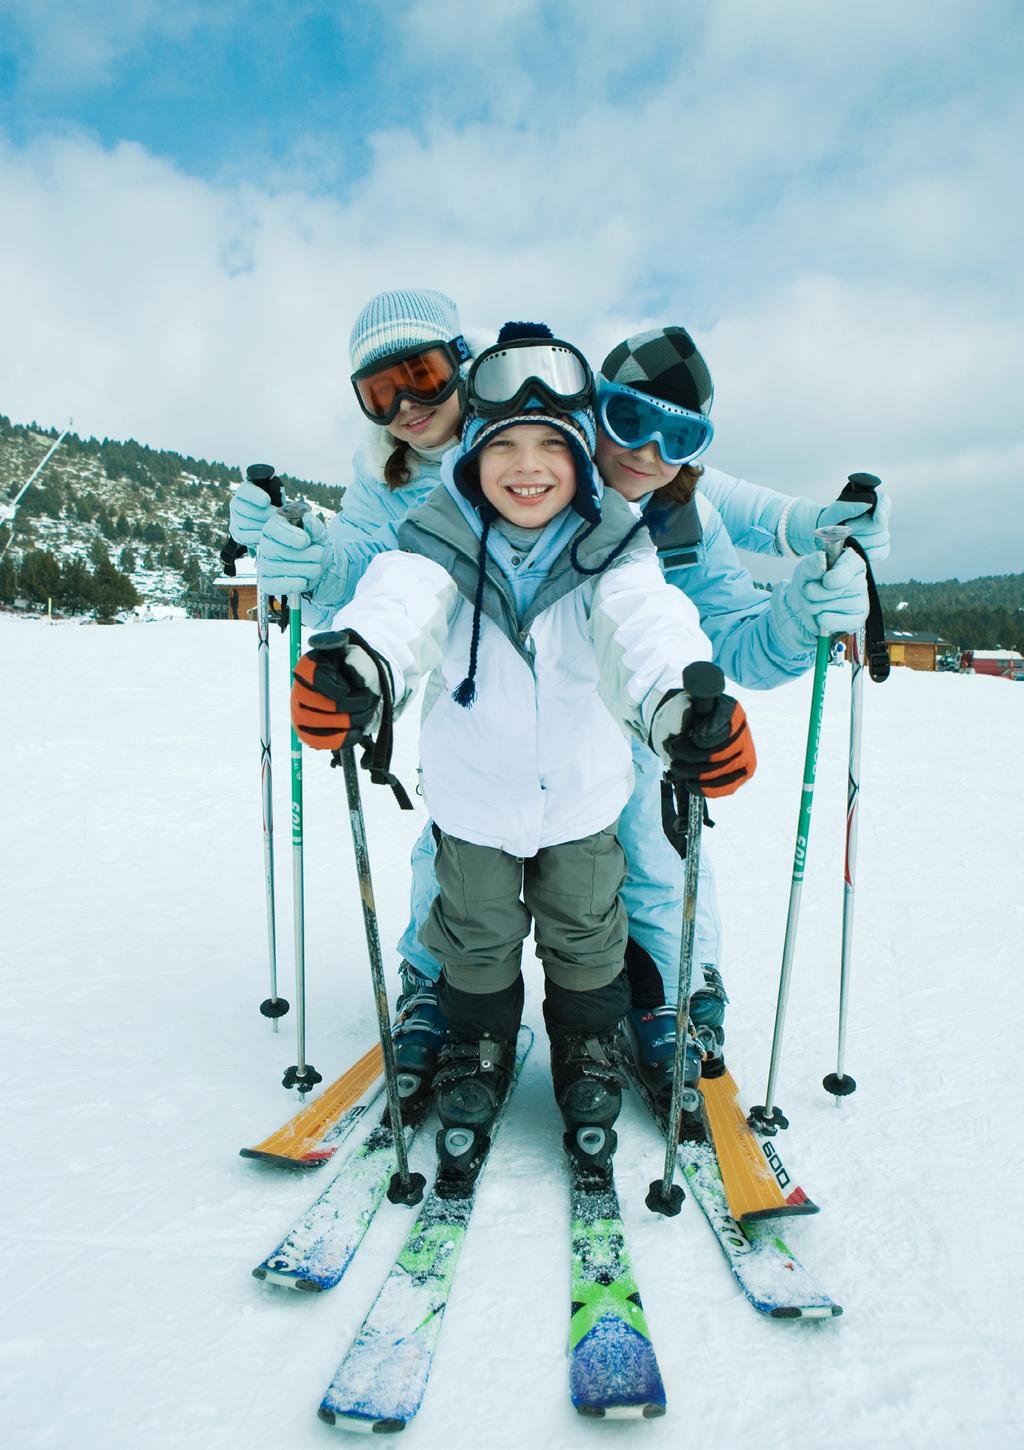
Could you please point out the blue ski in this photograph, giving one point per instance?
(316, 1252)
(379, 1385)
(772, 1278)
(613, 1370)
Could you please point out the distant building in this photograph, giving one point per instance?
(241, 591)
(1006, 663)
(912, 649)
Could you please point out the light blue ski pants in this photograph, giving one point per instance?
(652, 893)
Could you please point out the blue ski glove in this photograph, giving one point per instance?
(871, 532)
(291, 559)
(818, 600)
(250, 510)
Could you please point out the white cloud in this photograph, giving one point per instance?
(848, 253)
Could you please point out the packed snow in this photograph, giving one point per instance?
(137, 1065)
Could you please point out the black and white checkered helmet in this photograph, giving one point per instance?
(664, 363)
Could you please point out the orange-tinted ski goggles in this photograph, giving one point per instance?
(426, 373)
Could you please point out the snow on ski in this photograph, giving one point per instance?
(316, 1252)
(772, 1278)
(613, 1369)
(380, 1383)
(316, 1132)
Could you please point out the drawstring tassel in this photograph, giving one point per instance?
(465, 694)
(584, 534)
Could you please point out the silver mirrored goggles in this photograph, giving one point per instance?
(555, 373)
(632, 419)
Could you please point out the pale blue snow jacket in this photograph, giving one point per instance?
(367, 524)
(755, 517)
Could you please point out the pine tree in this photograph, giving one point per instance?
(112, 591)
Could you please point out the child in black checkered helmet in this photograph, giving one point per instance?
(654, 395)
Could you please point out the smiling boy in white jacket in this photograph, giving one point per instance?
(539, 612)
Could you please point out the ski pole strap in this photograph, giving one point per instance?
(675, 810)
(875, 646)
(377, 753)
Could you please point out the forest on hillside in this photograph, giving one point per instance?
(111, 522)
(984, 613)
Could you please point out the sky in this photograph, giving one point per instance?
(197, 201)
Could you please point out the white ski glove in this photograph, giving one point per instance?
(870, 531)
(818, 600)
(291, 558)
(250, 510)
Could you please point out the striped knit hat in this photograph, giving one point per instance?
(392, 321)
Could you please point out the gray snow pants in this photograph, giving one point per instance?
(486, 899)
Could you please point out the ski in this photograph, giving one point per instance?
(316, 1132)
(314, 1255)
(757, 1184)
(771, 1277)
(613, 1369)
(380, 1383)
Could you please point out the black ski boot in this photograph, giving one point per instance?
(471, 1083)
(588, 1091)
(649, 1036)
(419, 1034)
(707, 1016)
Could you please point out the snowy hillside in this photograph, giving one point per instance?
(159, 516)
(137, 1065)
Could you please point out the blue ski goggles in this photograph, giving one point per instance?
(632, 419)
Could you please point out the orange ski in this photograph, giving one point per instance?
(303, 1142)
(756, 1182)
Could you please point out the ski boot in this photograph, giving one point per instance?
(650, 1038)
(707, 1019)
(471, 1083)
(588, 1091)
(419, 1034)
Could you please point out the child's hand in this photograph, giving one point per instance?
(249, 510)
(335, 695)
(711, 754)
(820, 600)
(291, 556)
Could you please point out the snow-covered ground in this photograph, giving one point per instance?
(136, 1064)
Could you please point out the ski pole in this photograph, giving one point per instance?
(860, 488)
(767, 1117)
(263, 475)
(703, 682)
(405, 1187)
(302, 1075)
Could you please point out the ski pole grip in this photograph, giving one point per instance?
(703, 682)
(263, 476)
(294, 512)
(861, 488)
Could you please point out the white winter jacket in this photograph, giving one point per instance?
(542, 756)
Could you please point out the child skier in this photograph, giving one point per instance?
(539, 612)
(654, 396)
(409, 358)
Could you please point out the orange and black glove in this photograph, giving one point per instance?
(333, 699)
(710, 753)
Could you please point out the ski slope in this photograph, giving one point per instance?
(137, 1065)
